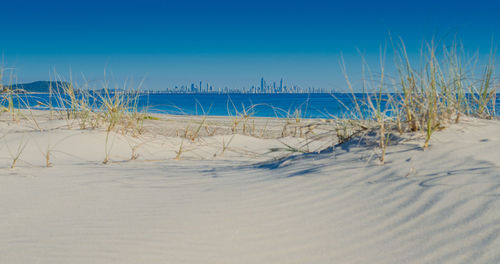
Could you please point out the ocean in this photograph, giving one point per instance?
(320, 105)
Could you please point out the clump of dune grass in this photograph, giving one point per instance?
(16, 154)
(7, 96)
(225, 145)
(243, 117)
(196, 132)
(181, 150)
(447, 85)
(117, 115)
(114, 110)
(49, 149)
(293, 125)
(134, 147)
(12, 102)
(424, 96)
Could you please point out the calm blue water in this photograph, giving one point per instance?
(263, 105)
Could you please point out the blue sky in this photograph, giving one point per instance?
(227, 43)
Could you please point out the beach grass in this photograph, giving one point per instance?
(443, 85)
(420, 95)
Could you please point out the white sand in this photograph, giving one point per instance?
(441, 205)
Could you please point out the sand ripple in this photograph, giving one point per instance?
(323, 208)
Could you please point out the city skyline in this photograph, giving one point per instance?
(265, 87)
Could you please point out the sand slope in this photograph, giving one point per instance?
(441, 205)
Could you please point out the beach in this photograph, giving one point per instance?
(246, 196)
(259, 132)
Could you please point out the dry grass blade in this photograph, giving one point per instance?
(17, 153)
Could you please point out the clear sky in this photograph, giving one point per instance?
(227, 43)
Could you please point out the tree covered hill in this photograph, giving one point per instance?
(35, 87)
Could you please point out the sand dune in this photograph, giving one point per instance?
(441, 205)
